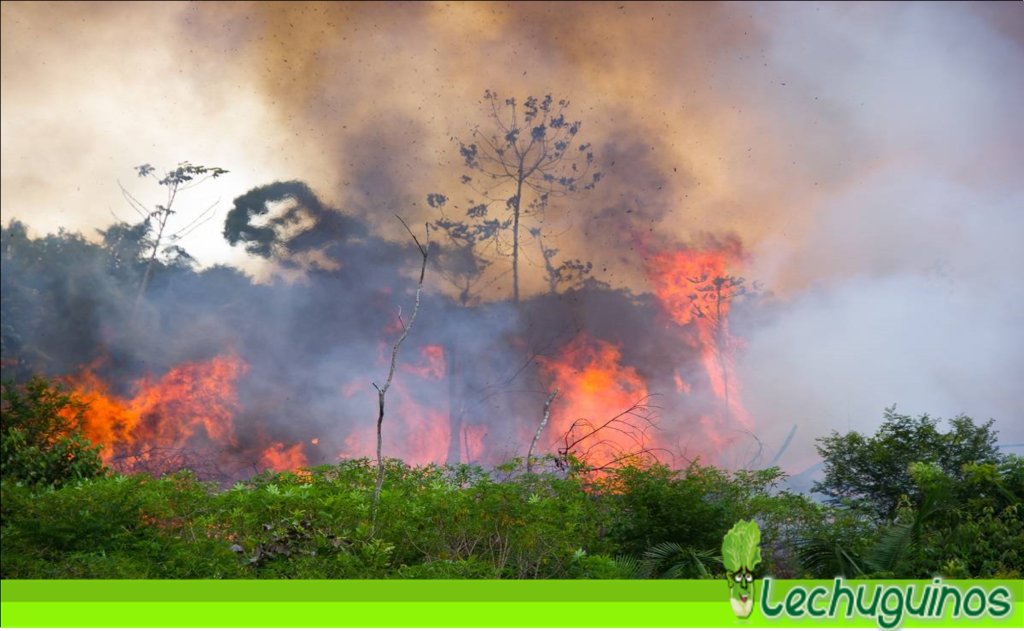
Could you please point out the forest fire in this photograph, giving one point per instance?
(600, 412)
(427, 425)
(510, 291)
(695, 288)
(431, 364)
(195, 401)
(277, 457)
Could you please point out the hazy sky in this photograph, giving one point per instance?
(869, 154)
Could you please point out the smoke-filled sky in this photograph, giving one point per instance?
(867, 154)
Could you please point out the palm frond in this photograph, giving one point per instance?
(824, 557)
(629, 566)
(894, 547)
(899, 543)
(681, 561)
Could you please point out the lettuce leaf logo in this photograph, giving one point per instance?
(740, 555)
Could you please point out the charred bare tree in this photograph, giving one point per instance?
(462, 260)
(540, 430)
(707, 304)
(382, 391)
(530, 151)
(184, 177)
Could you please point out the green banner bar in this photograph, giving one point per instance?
(433, 604)
(423, 614)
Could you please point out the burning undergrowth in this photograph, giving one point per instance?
(226, 376)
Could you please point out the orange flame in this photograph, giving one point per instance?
(696, 290)
(192, 401)
(191, 398)
(593, 386)
(425, 427)
(419, 433)
(414, 432)
(431, 365)
(277, 457)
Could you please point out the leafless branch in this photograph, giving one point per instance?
(382, 390)
(603, 446)
(201, 219)
(540, 429)
(135, 204)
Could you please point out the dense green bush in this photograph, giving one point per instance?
(40, 436)
(639, 521)
(874, 470)
(962, 525)
(112, 527)
(655, 504)
(432, 522)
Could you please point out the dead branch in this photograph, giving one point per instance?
(549, 348)
(540, 428)
(161, 461)
(783, 448)
(382, 390)
(754, 460)
(623, 437)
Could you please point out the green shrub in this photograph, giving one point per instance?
(112, 527)
(40, 436)
(466, 522)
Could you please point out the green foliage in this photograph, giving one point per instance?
(463, 521)
(433, 522)
(66, 459)
(598, 566)
(897, 550)
(671, 560)
(42, 410)
(875, 470)
(985, 545)
(112, 527)
(40, 436)
(953, 509)
(693, 508)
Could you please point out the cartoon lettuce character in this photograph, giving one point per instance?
(740, 555)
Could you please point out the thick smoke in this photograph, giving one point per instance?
(904, 287)
(313, 346)
(867, 154)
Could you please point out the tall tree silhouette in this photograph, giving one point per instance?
(709, 302)
(183, 177)
(528, 155)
